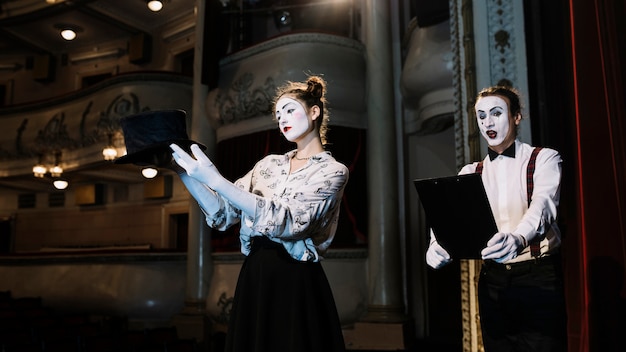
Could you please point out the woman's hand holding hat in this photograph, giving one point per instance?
(198, 166)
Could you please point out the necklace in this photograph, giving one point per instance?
(296, 157)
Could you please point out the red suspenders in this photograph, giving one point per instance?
(530, 171)
(530, 184)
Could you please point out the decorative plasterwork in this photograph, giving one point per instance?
(501, 33)
(78, 125)
(54, 135)
(242, 102)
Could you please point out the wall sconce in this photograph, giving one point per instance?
(149, 172)
(56, 170)
(60, 184)
(109, 152)
(155, 5)
(68, 31)
(39, 170)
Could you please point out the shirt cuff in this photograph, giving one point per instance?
(216, 219)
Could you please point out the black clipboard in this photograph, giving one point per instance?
(458, 210)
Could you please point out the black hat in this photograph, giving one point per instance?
(148, 136)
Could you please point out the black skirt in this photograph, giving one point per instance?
(282, 305)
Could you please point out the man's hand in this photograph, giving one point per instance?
(503, 247)
(436, 256)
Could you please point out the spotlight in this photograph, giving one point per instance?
(155, 5)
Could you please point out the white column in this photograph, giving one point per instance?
(385, 311)
(386, 302)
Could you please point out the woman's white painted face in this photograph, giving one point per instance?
(492, 113)
(292, 117)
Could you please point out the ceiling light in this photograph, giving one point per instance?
(60, 184)
(149, 172)
(68, 34)
(155, 5)
(68, 31)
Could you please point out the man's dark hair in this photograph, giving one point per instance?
(510, 93)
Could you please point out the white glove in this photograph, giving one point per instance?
(206, 198)
(503, 247)
(436, 256)
(199, 166)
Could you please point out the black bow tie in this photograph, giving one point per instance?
(510, 152)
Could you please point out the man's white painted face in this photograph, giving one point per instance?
(293, 120)
(492, 114)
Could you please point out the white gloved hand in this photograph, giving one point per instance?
(198, 166)
(503, 247)
(436, 256)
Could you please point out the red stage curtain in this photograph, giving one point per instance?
(595, 251)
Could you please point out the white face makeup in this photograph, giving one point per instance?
(492, 114)
(293, 120)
